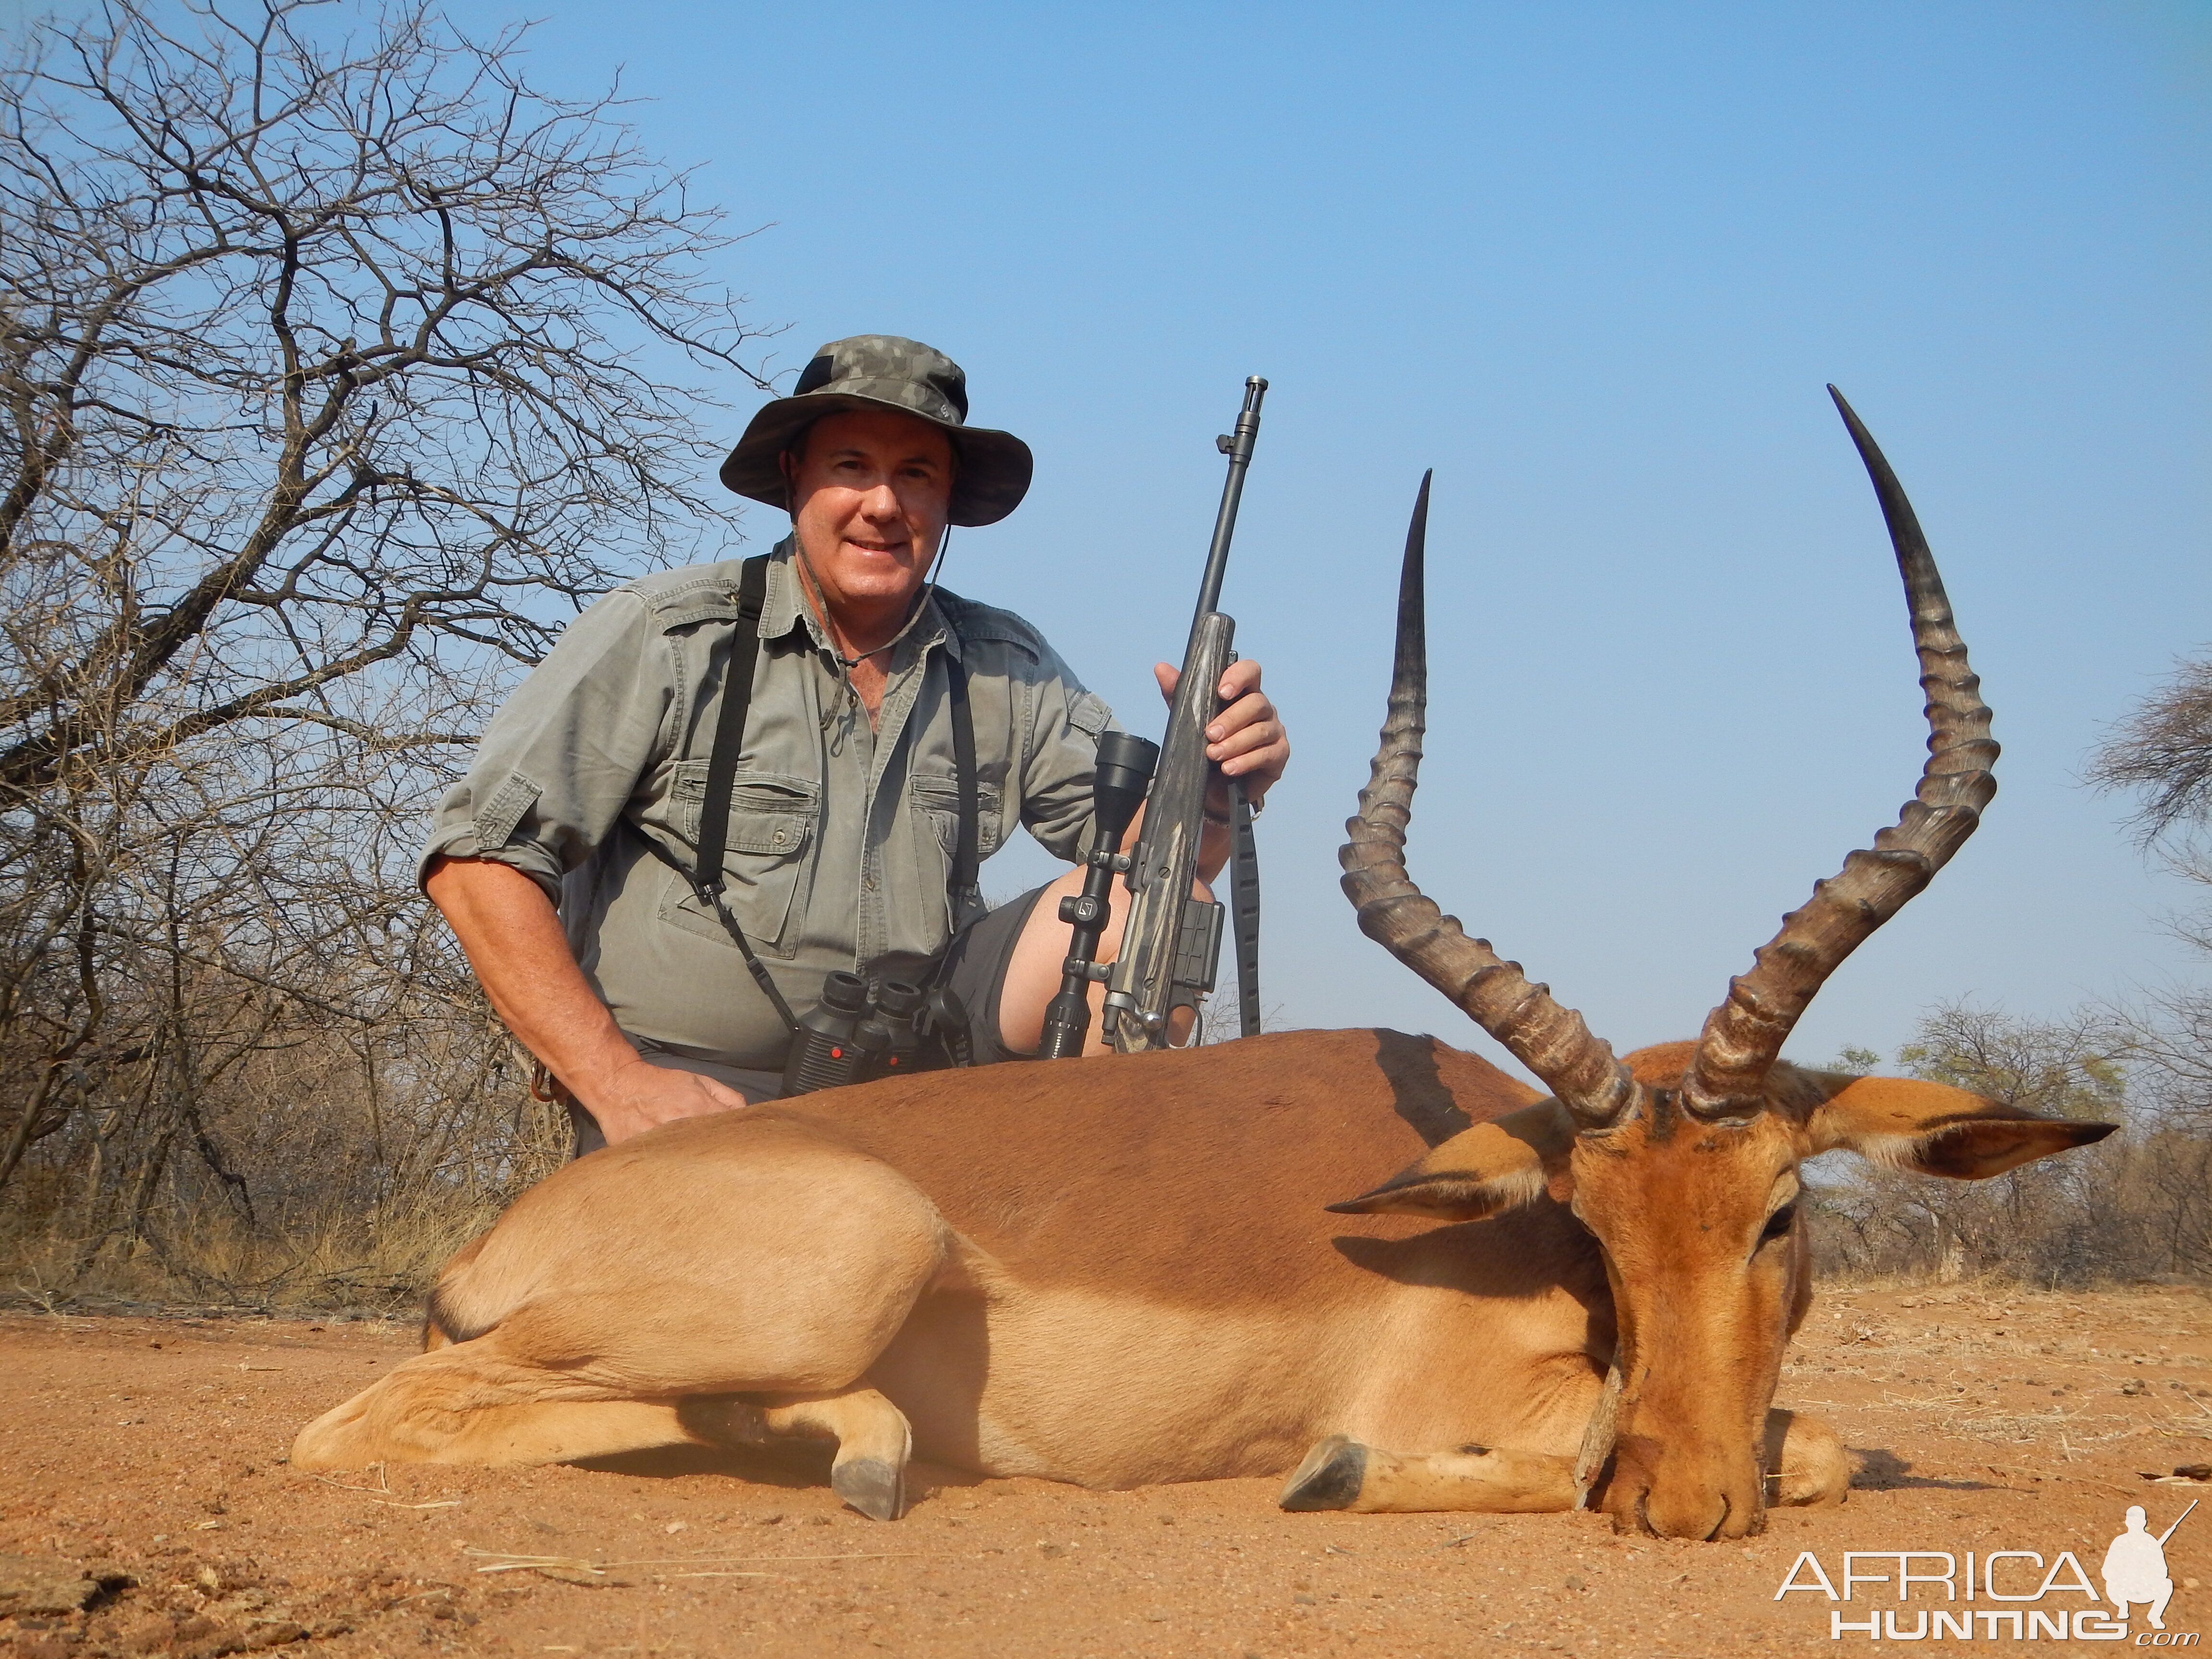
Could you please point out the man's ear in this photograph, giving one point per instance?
(1934, 1129)
(1483, 1171)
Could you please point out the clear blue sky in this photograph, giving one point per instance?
(1593, 262)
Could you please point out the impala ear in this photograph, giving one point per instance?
(1483, 1171)
(1932, 1128)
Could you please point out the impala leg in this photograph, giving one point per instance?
(604, 1314)
(523, 1392)
(1806, 1463)
(465, 1403)
(873, 1443)
(434, 1333)
(1341, 1474)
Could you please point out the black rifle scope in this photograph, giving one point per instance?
(1125, 772)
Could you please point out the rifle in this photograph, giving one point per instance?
(1171, 946)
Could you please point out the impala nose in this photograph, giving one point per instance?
(1684, 1510)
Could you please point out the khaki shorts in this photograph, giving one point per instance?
(975, 971)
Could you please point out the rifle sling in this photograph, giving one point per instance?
(1244, 909)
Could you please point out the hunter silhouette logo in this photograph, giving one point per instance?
(2134, 1567)
(2134, 1571)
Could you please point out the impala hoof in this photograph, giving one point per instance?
(1330, 1477)
(870, 1486)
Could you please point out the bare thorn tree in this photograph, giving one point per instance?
(337, 370)
(2163, 751)
(2136, 1207)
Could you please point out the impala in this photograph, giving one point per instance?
(1131, 1270)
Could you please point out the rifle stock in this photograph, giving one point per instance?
(1143, 990)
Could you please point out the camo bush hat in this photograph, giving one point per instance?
(883, 371)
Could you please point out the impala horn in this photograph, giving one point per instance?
(1744, 1035)
(1549, 1040)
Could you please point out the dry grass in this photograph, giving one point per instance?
(328, 1249)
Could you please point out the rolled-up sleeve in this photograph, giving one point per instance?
(567, 749)
(1061, 759)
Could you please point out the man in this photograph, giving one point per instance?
(844, 817)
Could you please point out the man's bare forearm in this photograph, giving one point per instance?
(515, 942)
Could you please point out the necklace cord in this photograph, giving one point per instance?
(813, 583)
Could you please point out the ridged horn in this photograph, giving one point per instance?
(1744, 1035)
(1549, 1040)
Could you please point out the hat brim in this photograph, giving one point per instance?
(993, 476)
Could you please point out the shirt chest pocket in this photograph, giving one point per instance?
(934, 803)
(937, 809)
(773, 820)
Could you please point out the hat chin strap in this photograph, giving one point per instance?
(846, 664)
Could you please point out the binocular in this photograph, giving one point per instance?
(851, 1036)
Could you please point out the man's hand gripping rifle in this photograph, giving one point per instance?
(1171, 946)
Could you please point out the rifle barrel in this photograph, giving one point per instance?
(1237, 446)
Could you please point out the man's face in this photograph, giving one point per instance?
(873, 487)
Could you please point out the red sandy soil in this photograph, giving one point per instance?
(151, 1448)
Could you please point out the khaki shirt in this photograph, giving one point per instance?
(840, 836)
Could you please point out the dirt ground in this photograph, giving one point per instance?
(148, 1450)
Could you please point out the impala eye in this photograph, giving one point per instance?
(1779, 1223)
